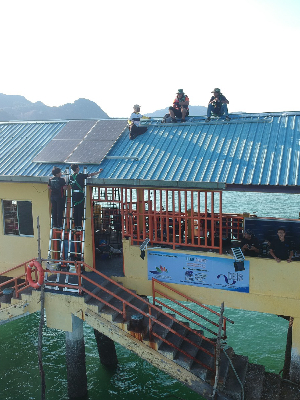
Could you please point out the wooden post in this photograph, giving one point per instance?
(218, 352)
(40, 333)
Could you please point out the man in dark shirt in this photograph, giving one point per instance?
(57, 184)
(281, 248)
(77, 181)
(250, 244)
(217, 105)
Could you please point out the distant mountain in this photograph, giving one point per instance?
(195, 111)
(18, 108)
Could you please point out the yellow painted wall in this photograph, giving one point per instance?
(15, 250)
(274, 287)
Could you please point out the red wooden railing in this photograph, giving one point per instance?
(150, 314)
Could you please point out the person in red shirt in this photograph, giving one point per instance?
(180, 108)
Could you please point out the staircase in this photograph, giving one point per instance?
(161, 339)
(183, 353)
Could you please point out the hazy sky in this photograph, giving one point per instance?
(118, 53)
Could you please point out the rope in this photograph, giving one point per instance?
(235, 373)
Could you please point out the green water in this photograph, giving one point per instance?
(261, 337)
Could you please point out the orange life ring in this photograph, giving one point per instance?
(40, 270)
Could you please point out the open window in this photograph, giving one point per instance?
(17, 217)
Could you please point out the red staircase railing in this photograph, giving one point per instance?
(18, 287)
(152, 310)
(164, 295)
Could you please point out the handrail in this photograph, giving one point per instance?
(152, 308)
(154, 291)
(191, 300)
(152, 319)
(19, 287)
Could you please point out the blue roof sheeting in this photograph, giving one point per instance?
(251, 149)
(21, 142)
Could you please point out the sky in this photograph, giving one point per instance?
(119, 53)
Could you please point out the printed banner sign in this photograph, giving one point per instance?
(189, 269)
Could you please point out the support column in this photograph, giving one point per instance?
(106, 350)
(75, 356)
(295, 355)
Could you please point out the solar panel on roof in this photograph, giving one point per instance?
(56, 151)
(73, 143)
(75, 130)
(103, 136)
(63, 144)
(90, 153)
(107, 130)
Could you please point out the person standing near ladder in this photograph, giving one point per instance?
(77, 185)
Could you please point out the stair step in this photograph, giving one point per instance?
(97, 289)
(103, 295)
(168, 350)
(288, 391)
(161, 330)
(189, 348)
(118, 304)
(232, 386)
(254, 381)
(138, 302)
(271, 387)
(205, 359)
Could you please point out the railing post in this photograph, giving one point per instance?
(78, 268)
(217, 353)
(150, 324)
(153, 291)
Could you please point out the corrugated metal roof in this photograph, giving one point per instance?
(251, 149)
(21, 142)
(256, 149)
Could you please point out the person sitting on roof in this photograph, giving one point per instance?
(217, 105)
(134, 123)
(180, 108)
(57, 184)
(77, 185)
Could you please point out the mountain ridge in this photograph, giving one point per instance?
(18, 108)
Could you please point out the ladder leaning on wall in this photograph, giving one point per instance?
(68, 242)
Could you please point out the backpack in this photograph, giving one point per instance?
(167, 118)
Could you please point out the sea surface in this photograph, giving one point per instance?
(261, 337)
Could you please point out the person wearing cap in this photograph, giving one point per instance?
(134, 123)
(250, 244)
(180, 108)
(217, 105)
